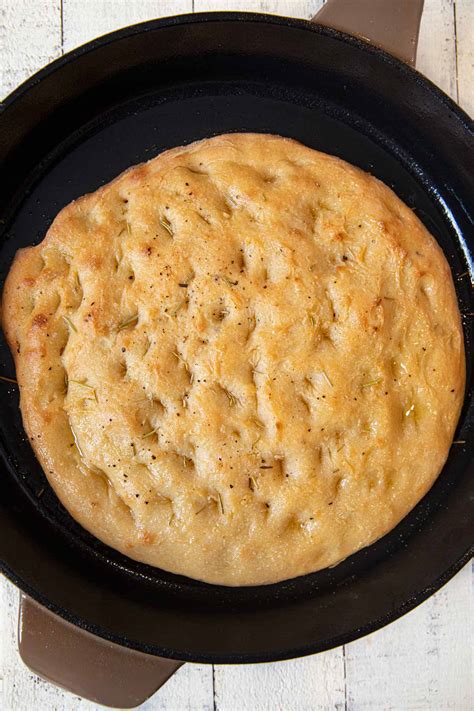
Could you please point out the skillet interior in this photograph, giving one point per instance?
(119, 101)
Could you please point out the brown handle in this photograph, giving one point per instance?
(392, 25)
(87, 665)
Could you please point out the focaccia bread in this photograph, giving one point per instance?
(241, 362)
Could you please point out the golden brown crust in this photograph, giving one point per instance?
(241, 361)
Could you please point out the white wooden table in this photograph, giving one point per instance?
(424, 660)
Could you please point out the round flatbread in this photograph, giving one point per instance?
(241, 362)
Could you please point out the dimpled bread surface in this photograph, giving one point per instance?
(241, 362)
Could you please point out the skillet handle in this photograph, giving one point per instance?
(85, 664)
(392, 25)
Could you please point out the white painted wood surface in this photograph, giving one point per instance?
(421, 662)
(464, 13)
(436, 55)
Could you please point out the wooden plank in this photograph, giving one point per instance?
(314, 683)
(27, 44)
(436, 56)
(190, 689)
(422, 661)
(464, 15)
(84, 20)
(289, 8)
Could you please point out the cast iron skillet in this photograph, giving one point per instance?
(121, 100)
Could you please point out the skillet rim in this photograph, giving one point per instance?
(252, 657)
(229, 16)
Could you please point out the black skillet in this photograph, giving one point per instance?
(121, 100)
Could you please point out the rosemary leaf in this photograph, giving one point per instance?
(326, 378)
(371, 382)
(178, 307)
(69, 323)
(76, 442)
(88, 387)
(8, 380)
(125, 324)
(208, 503)
(150, 433)
(221, 503)
(166, 224)
(227, 279)
(233, 400)
(253, 483)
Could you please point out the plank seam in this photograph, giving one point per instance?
(61, 25)
(455, 24)
(214, 704)
(345, 675)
